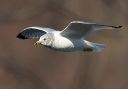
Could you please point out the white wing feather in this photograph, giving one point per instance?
(79, 29)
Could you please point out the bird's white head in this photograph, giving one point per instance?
(46, 40)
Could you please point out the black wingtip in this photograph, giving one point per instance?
(20, 36)
(118, 26)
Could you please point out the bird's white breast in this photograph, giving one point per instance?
(65, 44)
(62, 43)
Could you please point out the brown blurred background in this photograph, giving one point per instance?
(24, 66)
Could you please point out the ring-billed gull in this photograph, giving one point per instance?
(69, 39)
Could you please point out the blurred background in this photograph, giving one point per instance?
(24, 66)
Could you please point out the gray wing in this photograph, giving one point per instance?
(33, 32)
(79, 29)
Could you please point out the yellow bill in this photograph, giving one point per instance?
(37, 43)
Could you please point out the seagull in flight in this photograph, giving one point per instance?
(72, 38)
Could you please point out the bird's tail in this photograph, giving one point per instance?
(98, 47)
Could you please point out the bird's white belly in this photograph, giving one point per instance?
(64, 44)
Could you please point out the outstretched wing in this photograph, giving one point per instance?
(33, 32)
(79, 29)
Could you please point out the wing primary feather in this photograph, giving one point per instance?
(30, 33)
(21, 36)
(80, 29)
(117, 26)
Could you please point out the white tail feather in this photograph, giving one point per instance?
(98, 47)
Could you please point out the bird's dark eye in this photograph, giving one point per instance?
(44, 39)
